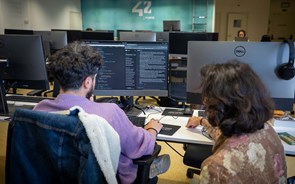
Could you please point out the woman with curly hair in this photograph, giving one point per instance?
(239, 118)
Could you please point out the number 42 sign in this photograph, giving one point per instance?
(142, 7)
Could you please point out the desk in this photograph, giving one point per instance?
(286, 126)
(183, 134)
(194, 135)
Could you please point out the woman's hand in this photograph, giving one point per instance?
(194, 121)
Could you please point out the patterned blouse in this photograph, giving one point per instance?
(250, 158)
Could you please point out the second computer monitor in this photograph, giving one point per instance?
(132, 68)
(138, 36)
(24, 62)
(178, 41)
(263, 57)
(52, 40)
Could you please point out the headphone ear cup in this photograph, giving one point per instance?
(286, 72)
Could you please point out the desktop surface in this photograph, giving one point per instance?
(183, 134)
(194, 135)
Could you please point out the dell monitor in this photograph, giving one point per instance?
(24, 62)
(138, 36)
(178, 41)
(263, 57)
(132, 68)
(171, 25)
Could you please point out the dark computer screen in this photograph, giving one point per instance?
(18, 31)
(132, 68)
(263, 57)
(24, 60)
(97, 35)
(178, 41)
(171, 25)
(78, 35)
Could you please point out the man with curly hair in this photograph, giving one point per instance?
(75, 68)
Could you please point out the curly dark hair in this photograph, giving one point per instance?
(71, 65)
(236, 100)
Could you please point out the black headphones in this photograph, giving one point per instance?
(286, 71)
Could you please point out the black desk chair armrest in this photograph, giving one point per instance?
(194, 155)
(144, 164)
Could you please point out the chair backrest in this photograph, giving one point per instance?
(49, 148)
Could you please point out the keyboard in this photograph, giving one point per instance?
(21, 98)
(137, 121)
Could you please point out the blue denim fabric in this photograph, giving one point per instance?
(49, 148)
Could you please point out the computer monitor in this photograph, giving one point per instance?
(138, 36)
(162, 36)
(122, 30)
(178, 41)
(263, 57)
(18, 31)
(52, 40)
(72, 35)
(132, 68)
(57, 39)
(171, 25)
(97, 35)
(24, 60)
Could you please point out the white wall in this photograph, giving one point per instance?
(38, 14)
(258, 16)
(282, 19)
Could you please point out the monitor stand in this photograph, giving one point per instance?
(128, 105)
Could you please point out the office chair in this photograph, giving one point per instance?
(47, 147)
(194, 155)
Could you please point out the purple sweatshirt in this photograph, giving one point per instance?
(135, 142)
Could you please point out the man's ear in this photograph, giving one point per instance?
(87, 83)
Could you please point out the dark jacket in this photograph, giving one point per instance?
(49, 148)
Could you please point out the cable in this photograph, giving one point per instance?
(174, 149)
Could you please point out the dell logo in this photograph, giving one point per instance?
(240, 51)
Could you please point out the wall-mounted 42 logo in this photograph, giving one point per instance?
(142, 7)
